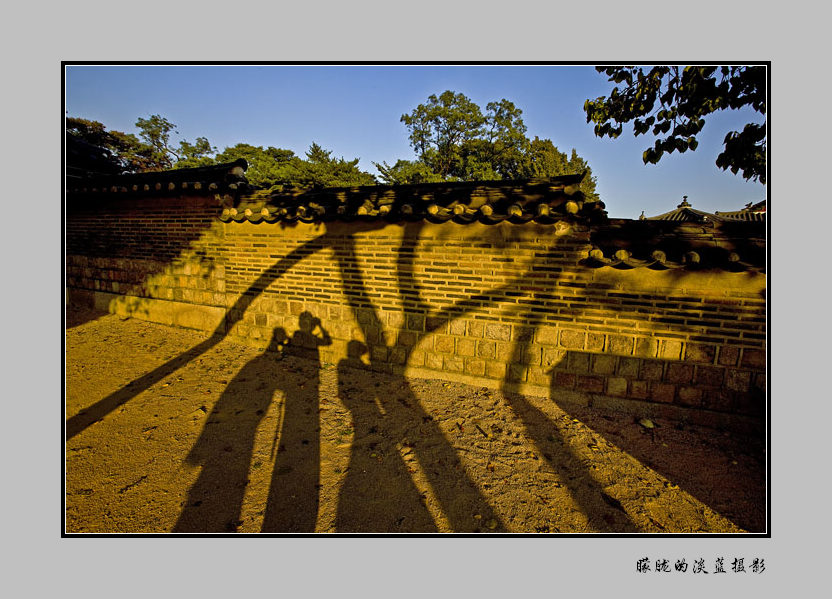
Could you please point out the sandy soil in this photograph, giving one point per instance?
(170, 430)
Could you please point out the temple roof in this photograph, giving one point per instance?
(684, 212)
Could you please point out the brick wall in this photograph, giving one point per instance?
(506, 305)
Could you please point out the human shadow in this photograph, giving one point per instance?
(378, 493)
(225, 445)
(88, 416)
(405, 422)
(293, 500)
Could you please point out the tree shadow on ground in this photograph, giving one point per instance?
(724, 470)
(457, 496)
(378, 494)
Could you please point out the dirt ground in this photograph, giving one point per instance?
(170, 430)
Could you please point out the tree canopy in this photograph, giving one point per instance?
(455, 140)
(671, 103)
(153, 149)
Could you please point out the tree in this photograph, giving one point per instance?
(94, 149)
(455, 140)
(406, 172)
(267, 167)
(673, 102)
(155, 131)
(441, 127)
(321, 170)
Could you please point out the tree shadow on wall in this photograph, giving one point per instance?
(225, 445)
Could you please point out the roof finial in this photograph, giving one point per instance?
(684, 202)
(642, 217)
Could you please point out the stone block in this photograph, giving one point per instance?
(728, 355)
(590, 384)
(717, 399)
(652, 370)
(617, 386)
(554, 358)
(638, 389)
(415, 322)
(466, 347)
(662, 392)
(572, 339)
(517, 373)
(629, 367)
(378, 353)
(407, 338)
(565, 379)
(577, 362)
(457, 327)
(539, 376)
(522, 334)
(709, 375)
(475, 328)
(487, 349)
(753, 358)
(670, 350)
(475, 367)
(436, 324)
(595, 341)
(690, 396)
(547, 335)
(646, 347)
(495, 370)
(678, 373)
(500, 332)
(698, 352)
(454, 364)
(416, 358)
(398, 355)
(621, 345)
(433, 361)
(603, 364)
(444, 344)
(738, 380)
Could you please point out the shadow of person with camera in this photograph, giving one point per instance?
(293, 500)
(225, 446)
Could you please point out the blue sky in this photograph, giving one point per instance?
(355, 112)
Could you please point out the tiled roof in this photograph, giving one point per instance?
(539, 200)
(664, 244)
(217, 178)
(684, 212)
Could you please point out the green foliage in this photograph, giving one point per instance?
(321, 170)
(671, 103)
(441, 127)
(405, 172)
(455, 140)
(105, 151)
(267, 168)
